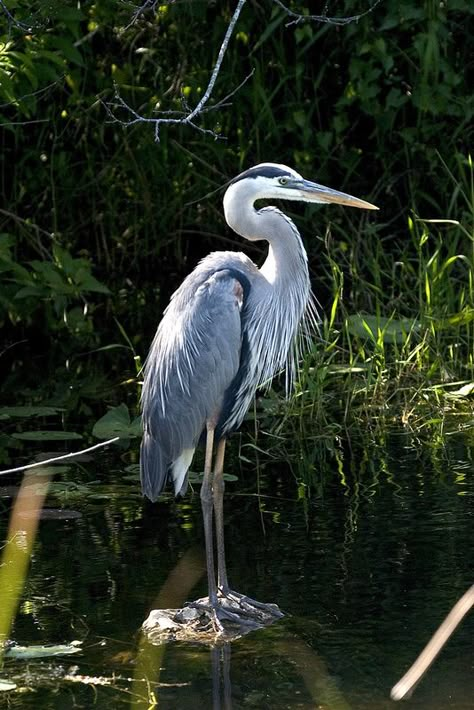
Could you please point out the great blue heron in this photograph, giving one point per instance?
(229, 328)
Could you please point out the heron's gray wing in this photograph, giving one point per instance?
(193, 359)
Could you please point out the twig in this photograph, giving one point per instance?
(60, 458)
(187, 118)
(12, 21)
(25, 123)
(323, 18)
(220, 57)
(39, 231)
(12, 345)
(38, 92)
(434, 646)
(147, 5)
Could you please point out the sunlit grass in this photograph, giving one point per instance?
(397, 338)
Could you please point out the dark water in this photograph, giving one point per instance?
(366, 567)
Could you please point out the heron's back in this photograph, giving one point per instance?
(194, 358)
(226, 331)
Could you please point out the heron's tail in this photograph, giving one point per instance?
(154, 467)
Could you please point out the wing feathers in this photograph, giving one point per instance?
(193, 359)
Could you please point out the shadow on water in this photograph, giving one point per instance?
(366, 569)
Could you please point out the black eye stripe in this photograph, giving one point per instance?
(268, 171)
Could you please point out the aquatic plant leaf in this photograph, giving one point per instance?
(51, 514)
(47, 435)
(390, 330)
(133, 468)
(67, 491)
(117, 422)
(6, 685)
(195, 477)
(29, 652)
(25, 411)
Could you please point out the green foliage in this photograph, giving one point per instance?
(380, 329)
(99, 223)
(117, 422)
(37, 435)
(48, 288)
(27, 411)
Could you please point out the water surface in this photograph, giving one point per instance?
(366, 565)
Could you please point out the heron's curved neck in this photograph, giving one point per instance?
(286, 260)
(280, 295)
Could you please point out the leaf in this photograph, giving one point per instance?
(346, 369)
(6, 86)
(6, 685)
(195, 477)
(229, 477)
(46, 435)
(30, 291)
(53, 57)
(67, 49)
(390, 330)
(117, 422)
(457, 319)
(26, 411)
(29, 652)
(64, 259)
(464, 391)
(87, 282)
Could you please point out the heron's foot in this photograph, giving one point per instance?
(245, 606)
(219, 613)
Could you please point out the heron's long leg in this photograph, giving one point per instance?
(218, 491)
(206, 504)
(245, 605)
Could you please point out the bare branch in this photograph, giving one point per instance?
(148, 5)
(188, 117)
(220, 57)
(13, 22)
(323, 18)
(406, 684)
(59, 458)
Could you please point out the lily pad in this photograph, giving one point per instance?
(23, 412)
(195, 477)
(117, 422)
(47, 435)
(27, 653)
(51, 514)
(6, 685)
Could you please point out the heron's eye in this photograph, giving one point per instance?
(282, 181)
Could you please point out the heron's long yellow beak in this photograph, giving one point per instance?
(311, 191)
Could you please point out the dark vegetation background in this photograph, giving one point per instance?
(99, 223)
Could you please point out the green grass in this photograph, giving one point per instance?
(397, 337)
(102, 223)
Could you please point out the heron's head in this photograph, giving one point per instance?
(274, 181)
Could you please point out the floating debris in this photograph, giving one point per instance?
(31, 652)
(199, 623)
